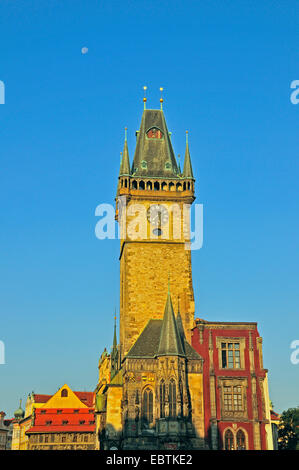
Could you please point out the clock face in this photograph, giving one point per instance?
(157, 215)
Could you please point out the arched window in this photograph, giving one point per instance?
(141, 185)
(241, 440)
(149, 185)
(184, 186)
(164, 186)
(162, 399)
(228, 440)
(64, 392)
(147, 406)
(134, 184)
(179, 187)
(172, 399)
(156, 186)
(171, 186)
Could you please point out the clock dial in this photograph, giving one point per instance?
(157, 215)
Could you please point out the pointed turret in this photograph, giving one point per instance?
(114, 353)
(154, 156)
(125, 161)
(170, 343)
(179, 164)
(187, 171)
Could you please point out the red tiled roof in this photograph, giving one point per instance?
(274, 416)
(38, 398)
(86, 397)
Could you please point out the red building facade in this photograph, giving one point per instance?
(236, 398)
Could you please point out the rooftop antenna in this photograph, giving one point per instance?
(144, 98)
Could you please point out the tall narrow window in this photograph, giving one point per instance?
(228, 440)
(147, 406)
(232, 398)
(230, 353)
(172, 399)
(241, 441)
(162, 399)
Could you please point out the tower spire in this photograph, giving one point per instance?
(187, 171)
(114, 353)
(179, 163)
(125, 161)
(114, 336)
(170, 341)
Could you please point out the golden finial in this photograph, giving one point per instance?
(186, 137)
(126, 133)
(161, 99)
(144, 98)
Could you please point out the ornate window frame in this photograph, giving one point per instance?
(234, 430)
(233, 382)
(228, 339)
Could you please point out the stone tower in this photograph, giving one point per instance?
(150, 389)
(152, 208)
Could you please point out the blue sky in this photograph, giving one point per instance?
(226, 68)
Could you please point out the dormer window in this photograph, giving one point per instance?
(143, 164)
(154, 133)
(168, 166)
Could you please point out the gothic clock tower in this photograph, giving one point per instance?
(152, 207)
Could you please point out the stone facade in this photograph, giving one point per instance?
(144, 272)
